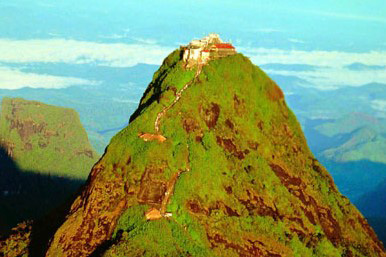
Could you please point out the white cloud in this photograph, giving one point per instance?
(148, 41)
(294, 40)
(379, 105)
(114, 36)
(331, 75)
(327, 78)
(16, 79)
(124, 34)
(72, 51)
(316, 58)
(330, 72)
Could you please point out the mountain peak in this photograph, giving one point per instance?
(212, 163)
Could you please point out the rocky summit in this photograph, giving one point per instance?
(212, 163)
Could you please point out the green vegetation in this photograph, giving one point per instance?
(249, 185)
(34, 131)
(18, 242)
(159, 238)
(45, 157)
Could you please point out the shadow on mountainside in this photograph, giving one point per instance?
(154, 97)
(379, 226)
(373, 206)
(355, 179)
(28, 195)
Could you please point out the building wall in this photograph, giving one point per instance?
(185, 56)
(194, 54)
(205, 56)
(222, 52)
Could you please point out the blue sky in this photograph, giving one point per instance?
(329, 35)
(322, 25)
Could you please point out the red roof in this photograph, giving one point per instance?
(224, 45)
(205, 50)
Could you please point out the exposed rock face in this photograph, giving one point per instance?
(234, 175)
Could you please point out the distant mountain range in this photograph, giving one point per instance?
(353, 149)
(363, 137)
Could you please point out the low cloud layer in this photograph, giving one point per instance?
(16, 79)
(328, 78)
(147, 51)
(79, 52)
(316, 58)
(360, 66)
(330, 69)
(379, 105)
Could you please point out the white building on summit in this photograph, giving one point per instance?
(200, 51)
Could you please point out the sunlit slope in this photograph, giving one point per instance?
(234, 177)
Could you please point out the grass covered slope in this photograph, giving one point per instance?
(45, 157)
(246, 181)
(45, 138)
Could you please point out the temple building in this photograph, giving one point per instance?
(200, 51)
